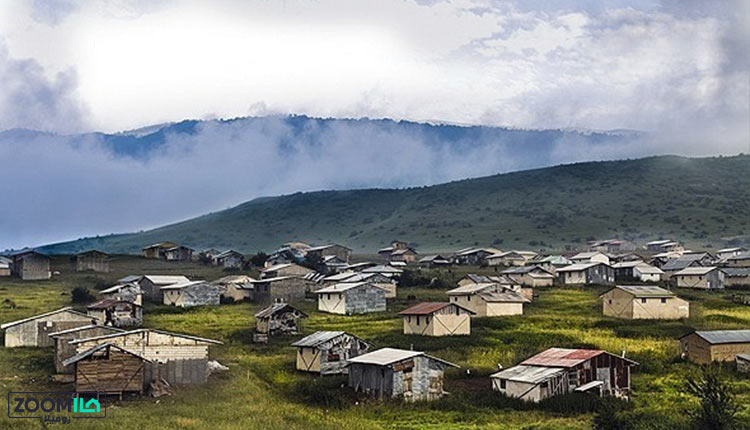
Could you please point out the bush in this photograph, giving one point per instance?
(718, 406)
(82, 295)
(259, 259)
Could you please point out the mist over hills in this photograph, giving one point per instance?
(704, 202)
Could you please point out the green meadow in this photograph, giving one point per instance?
(262, 389)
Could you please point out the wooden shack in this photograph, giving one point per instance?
(643, 302)
(175, 357)
(390, 372)
(129, 292)
(349, 298)
(116, 313)
(327, 352)
(339, 251)
(229, 259)
(190, 294)
(704, 347)
(178, 253)
(592, 273)
(34, 331)
(64, 350)
(31, 266)
(151, 285)
(437, 319)
(558, 371)
(277, 319)
(236, 287)
(5, 266)
(92, 261)
(157, 250)
(289, 289)
(108, 369)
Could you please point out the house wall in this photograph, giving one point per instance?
(155, 346)
(617, 303)
(736, 280)
(572, 278)
(653, 308)
(365, 299)
(530, 392)
(64, 350)
(373, 380)
(388, 287)
(308, 359)
(601, 275)
(151, 291)
(289, 290)
(120, 373)
(238, 294)
(333, 303)
(35, 332)
(130, 294)
(469, 301)
(700, 351)
(728, 352)
(438, 324)
(330, 357)
(711, 280)
(92, 262)
(32, 268)
(194, 295)
(495, 309)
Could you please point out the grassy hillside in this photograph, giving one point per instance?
(703, 201)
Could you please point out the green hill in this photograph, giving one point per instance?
(705, 202)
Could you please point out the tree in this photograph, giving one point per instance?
(82, 295)
(718, 406)
(259, 259)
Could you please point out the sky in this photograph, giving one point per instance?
(676, 69)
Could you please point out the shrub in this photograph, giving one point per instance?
(259, 259)
(718, 406)
(82, 295)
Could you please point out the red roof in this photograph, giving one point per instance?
(425, 308)
(562, 357)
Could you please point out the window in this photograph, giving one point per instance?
(329, 296)
(663, 300)
(409, 318)
(643, 300)
(426, 320)
(502, 384)
(458, 311)
(468, 298)
(610, 301)
(417, 319)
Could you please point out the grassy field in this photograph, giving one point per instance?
(262, 390)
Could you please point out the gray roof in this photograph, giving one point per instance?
(320, 337)
(718, 337)
(341, 287)
(580, 267)
(86, 327)
(146, 330)
(695, 271)
(88, 352)
(382, 269)
(386, 356)
(119, 287)
(25, 320)
(736, 271)
(680, 263)
(166, 279)
(644, 291)
(528, 374)
(506, 296)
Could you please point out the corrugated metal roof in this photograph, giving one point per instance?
(341, 287)
(130, 278)
(471, 288)
(317, 338)
(645, 291)
(718, 337)
(579, 267)
(103, 304)
(182, 285)
(506, 296)
(562, 357)
(739, 272)
(66, 309)
(118, 287)
(528, 374)
(386, 356)
(427, 308)
(382, 269)
(146, 330)
(277, 307)
(86, 327)
(648, 269)
(166, 279)
(91, 351)
(693, 271)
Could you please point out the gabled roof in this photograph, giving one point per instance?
(106, 303)
(526, 269)
(648, 269)
(182, 285)
(119, 287)
(528, 374)
(35, 317)
(643, 291)
(146, 330)
(320, 337)
(382, 269)
(78, 357)
(166, 279)
(563, 357)
(431, 258)
(719, 337)
(505, 296)
(130, 278)
(233, 279)
(324, 247)
(743, 256)
(341, 287)
(84, 328)
(387, 356)
(278, 307)
(695, 271)
(738, 272)
(274, 279)
(553, 259)
(427, 308)
(627, 264)
(160, 245)
(580, 266)
(92, 251)
(735, 249)
(471, 288)
(586, 255)
(680, 263)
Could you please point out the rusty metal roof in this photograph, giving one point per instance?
(562, 357)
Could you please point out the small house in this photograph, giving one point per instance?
(704, 347)
(92, 261)
(396, 245)
(437, 319)
(327, 352)
(378, 279)
(277, 319)
(511, 258)
(707, 278)
(611, 245)
(405, 256)
(130, 292)
(559, 371)
(64, 350)
(741, 260)
(586, 274)
(590, 257)
(340, 251)
(332, 264)
(390, 373)
(434, 261)
(530, 276)
(664, 245)
(178, 253)
(151, 285)
(643, 302)
(108, 369)
(289, 289)
(647, 273)
(390, 271)
(230, 259)
(190, 294)
(177, 358)
(473, 256)
(5, 266)
(725, 253)
(349, 298)
(236, 287)
(156, 251)
(736, 276)
(116, 313)
(551, 263)
(286, 269)
(488, 299)
(31, 266)
(34, 331)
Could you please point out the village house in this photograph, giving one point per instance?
(708, 278)
(289, 289)
(340, 251)
(349, 298)
(190, 294)
(64, 350)
(674, 265)
(327, 352)
(286, 269)
(129, 292)
(391, 272)
(236, 287)
(664, 245)
(177, 358)
(473, 256)
(550, 263)
(488, 299)
(151, 285)
(611, 246)
(557, 371)
(628, 256)
(741, 260)
(736, 276)
(34, 331)
(437, 319)
(511, 258)
(178, 253)
(391, 373)
(725, 253)
(433, 261)
(624, 270)
(659, 260)
(378, 279)
(92, 261)
(332, 264)
(108, 369)
(647, 273)
(31, 266)
(5, 266)
(593, 273)
(277, 319)
(229, 259)
(156, 251)
(405, 256)
(385, 253)
(530, 276)
(117, 313)
(590, 257)
(643, 302)
(704, 347)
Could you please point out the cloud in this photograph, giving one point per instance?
(52, 12)
(28, 99)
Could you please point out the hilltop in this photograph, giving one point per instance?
(704, 202)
